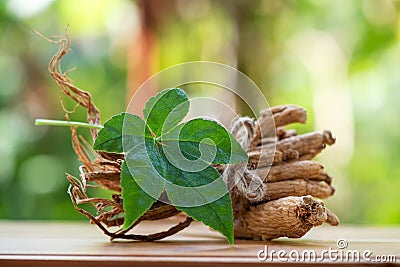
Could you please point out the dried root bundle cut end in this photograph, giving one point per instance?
(285, 217)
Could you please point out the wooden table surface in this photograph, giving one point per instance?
(24, 243)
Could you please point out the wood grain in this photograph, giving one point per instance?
(81, 244)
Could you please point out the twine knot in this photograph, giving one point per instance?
(239, 176)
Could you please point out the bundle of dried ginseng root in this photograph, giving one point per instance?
(285, 206)
(272, 197)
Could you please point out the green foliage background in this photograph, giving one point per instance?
(337, 58)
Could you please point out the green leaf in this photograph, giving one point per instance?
(205, 139)
(165, 110)
(120, 133)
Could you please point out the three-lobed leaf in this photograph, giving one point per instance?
(161, 154)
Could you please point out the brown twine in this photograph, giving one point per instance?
(240, 177)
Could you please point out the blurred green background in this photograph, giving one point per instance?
(337, 58)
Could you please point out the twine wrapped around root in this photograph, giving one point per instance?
(272, 195)
(237, 176)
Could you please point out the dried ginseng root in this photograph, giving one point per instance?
(289, 216)
(290, 179)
